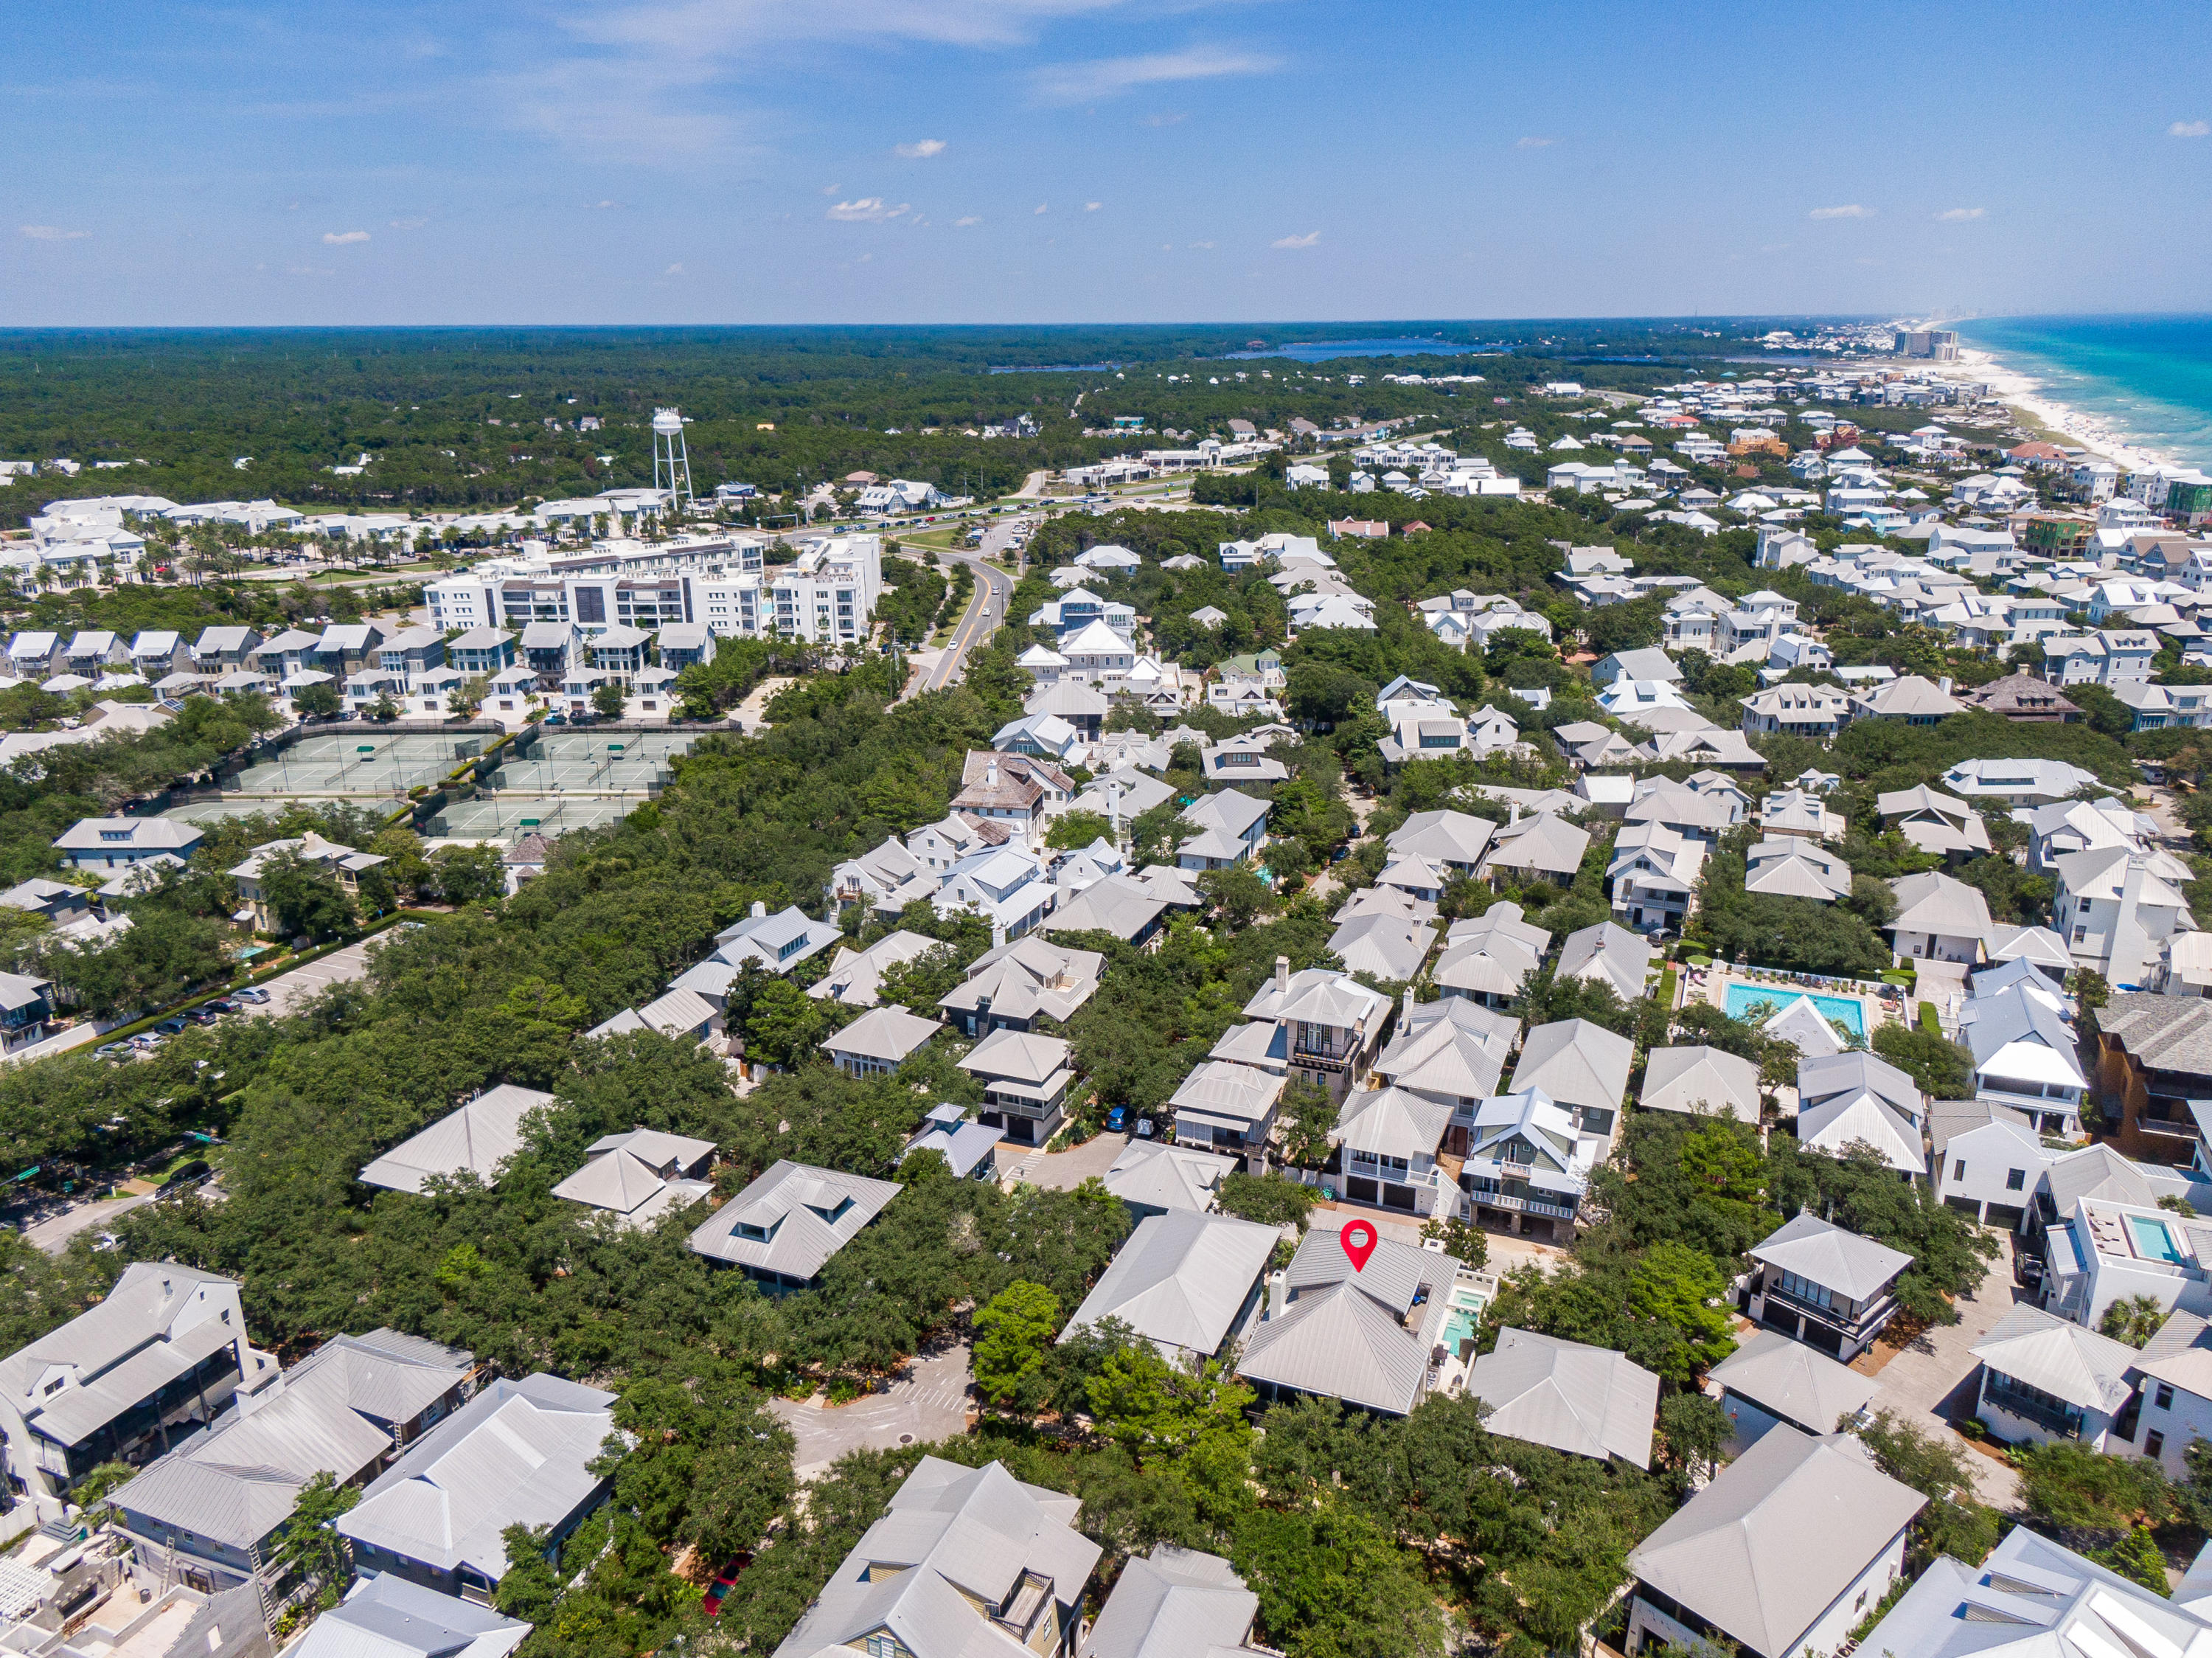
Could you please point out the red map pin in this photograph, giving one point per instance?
(1358, 1241)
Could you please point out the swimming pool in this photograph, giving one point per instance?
(1742, 998)
(1460, 1323)
(2154, 1241)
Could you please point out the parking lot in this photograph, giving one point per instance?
(288, 992)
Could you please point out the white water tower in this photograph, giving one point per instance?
(668, 451)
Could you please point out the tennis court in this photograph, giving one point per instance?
(358, 763)
(509, 817)
(215, 811)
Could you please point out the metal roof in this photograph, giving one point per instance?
(1767, 1548)
(476, 1139)
(2062, 1358)
(1787, 1378)
(385, 1616)
(1180, 1279)
(1337, 1342)
(520, 1452)
(1577, 1063)
(889, 1034)
(1831, 1256)
(1705, 1080)
(1177, 1603)
(1567, 1395)
(1157, 1174)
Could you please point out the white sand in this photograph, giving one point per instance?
(2020, 391)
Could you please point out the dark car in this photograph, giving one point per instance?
(203, 1015)
(186, 1174)
(170, 1027)
(556, 719)
(220, 1005)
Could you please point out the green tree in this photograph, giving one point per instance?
(1953, 1522)
(2133, 1319)
(1941, 1069)
(1332, 1584)
(609, 699)
(2137, 1558)
(1307, 1113)
(1238, 894)
(310, 1544)
(1683, 1289)
(784, 1025)
(1073, 831)
(469, 875)
(1267, 1199)
(318, 702)
(1014, 1333)
(303, 897)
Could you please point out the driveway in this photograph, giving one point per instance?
(1937, 1371)
(926, 1402)
(1059, 1171)
(288, 992)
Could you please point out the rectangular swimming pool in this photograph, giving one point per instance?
(2154, 1241)
(1742, 998)
(1460, 1323)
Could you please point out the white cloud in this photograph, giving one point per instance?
(1043, 207)
(1106, 77)
(831, 189)
(53, 233)
(409, 224)
(602, 207)
(340, 238)
(1960, 214)
(1201, 244)
(2189, 129)
(867, 210)
(1306, 240)
(1534, 143)
(1853, 211)
(920, 150)
(973, 218)
(675, 269)
(1092, 207)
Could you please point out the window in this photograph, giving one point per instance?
(2164, 1399)
(1958, 1168)
(2015, 1178)
(2154, 1443)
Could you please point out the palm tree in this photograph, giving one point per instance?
(2133, 1319)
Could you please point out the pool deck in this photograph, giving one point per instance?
(1874, 1010)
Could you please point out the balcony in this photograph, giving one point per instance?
(1857, 1325)
(2063, 1420)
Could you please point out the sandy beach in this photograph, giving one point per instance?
(2022, 392)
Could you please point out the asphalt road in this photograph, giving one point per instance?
(986, 609)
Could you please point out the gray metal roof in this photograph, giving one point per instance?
(2034, 1598)
(1177, 1603)
(1383, 947)
(1337, 1342)
(1787, 1378)
(385, 1616)
(808, 1213)
(2180, 1353)
(1577, 1063)
(1705, 1080)
(887, 1034)
(1158, 1174)
(520, 1452)
(1180, 1279)
(952, 1536)
(1830, 1256)
(2061, 1357)
(1445, 837)
(158, 1321)
(1567, 1395)
(1765, 1549)
(476, 1139)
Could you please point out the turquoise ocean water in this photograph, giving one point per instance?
(2148, 379)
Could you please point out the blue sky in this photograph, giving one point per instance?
(1030, 161)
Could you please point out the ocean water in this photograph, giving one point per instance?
(2147, 379)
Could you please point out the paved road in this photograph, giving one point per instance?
(1059, 1171)
(53, 1233)
(288, 992)
(986, 609)
(927, 1401)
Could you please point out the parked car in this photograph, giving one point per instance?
(202, 1014)
(111, 1051)
(254, 994)
(172, 1026)
(221, 1004)
(1144, 1128)
(145, 1043)
(1115, 1118)
(725, 1580)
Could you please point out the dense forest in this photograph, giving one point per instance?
(461, 419)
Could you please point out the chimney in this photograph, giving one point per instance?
(1943, 685)
(1406, 1014)
(991, 773)
(998, 935)
(1282, 975)
(759, 908)
(1516, 812)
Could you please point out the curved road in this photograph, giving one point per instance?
(986, 609)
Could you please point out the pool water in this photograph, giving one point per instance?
(1460, 1323)
(2153, 1242)
(1742, 998)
